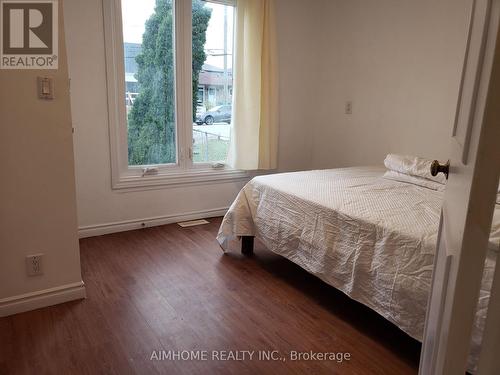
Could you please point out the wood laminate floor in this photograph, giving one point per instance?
(170, 289)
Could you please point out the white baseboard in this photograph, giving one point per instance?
(42, 298)
(122, 226)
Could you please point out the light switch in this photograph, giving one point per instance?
(45, 88)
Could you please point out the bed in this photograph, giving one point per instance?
(366, 231)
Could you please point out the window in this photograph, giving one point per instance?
(148, 36)
(171, 60)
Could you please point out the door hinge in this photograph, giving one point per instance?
(191, 153)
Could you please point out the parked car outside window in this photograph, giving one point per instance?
(220, 113)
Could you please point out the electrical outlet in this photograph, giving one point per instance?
(348, 108)
(34, 265)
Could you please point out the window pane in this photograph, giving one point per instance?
(212, 80)
(149, 81)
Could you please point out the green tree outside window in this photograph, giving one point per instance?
(151, 120)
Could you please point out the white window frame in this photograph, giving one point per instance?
(184, 171)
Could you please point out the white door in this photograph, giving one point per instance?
(468, 207)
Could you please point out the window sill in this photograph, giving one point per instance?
(178, 179)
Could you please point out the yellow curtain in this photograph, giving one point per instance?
(254, 136)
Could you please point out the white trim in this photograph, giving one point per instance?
(231, 3)
(176, 179)
(183, 81)
(122, 226)
(42, 298)
(115, 69)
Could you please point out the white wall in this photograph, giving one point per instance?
(399, 62)
(37, 191)
(299, 60)
(98, 204)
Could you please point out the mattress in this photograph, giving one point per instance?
(368, 236)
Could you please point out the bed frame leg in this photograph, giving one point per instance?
(247, 245)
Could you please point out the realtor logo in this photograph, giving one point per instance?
(29, 38)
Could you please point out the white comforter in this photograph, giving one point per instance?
(370, 237)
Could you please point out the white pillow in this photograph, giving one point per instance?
(412, 165)
(414, 180)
